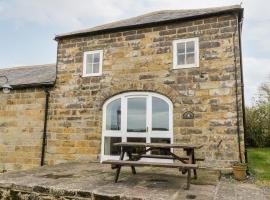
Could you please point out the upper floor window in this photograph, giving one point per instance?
(92, 63)
(186, 53)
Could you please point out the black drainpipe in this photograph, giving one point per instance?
(236, 96)
(242, 87)
(44, 139)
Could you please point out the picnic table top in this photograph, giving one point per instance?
(158, 145)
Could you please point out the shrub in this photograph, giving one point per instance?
(258, 120)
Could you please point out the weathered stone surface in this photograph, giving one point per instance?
(95, 181)
(232, 190)
(21, 126)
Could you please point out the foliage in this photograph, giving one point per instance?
(258, 120)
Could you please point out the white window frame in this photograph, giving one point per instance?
(196, 52)
(100, 63)
(123, 130)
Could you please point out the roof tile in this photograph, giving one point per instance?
(26, 76)
(154, 18)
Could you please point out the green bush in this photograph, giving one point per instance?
(258, 120)
(257, 125)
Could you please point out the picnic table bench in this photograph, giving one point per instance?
(186, 164)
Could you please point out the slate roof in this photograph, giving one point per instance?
(155, 18)
(30, 76)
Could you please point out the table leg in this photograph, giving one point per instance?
(190, 154)
(130, 158)
(194, 162)
(188, 179)
(119, 166)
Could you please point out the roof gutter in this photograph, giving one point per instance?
(33, 85)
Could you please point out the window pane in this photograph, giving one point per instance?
(181, 47)
(89, 68)
(181, 59)
(113, 115)
(190, 58)
(160, 151)
(96, 57)
(96, 68)
(160, 115)
(137, 149)
(109, 148)
(136, 115)
(89, 58)
(190, 47)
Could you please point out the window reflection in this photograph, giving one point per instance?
(109, 148)
(181, 59)
(190, 58)
(136, 115)
(137, 149)
(113, 115)
(181, 47)
(160, 115)
(190, 47)
(160, 151)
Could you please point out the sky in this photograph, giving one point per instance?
(27, 29)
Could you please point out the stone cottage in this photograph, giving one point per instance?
(172, 76)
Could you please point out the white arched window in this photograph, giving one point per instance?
(135, 117)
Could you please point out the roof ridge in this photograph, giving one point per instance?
(26, 66)
(165, 15)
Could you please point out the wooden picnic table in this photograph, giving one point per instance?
(158, 145)
(186, 164)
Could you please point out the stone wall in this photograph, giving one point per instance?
(141, 60)
(21, 126)
(41, 193)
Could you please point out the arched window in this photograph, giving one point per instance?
(135, 117)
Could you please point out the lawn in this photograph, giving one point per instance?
(259, 163)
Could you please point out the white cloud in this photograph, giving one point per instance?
(257, 33)
(65, 13)
(74, 13)
(256, 72)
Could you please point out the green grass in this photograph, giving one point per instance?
(259, 162)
